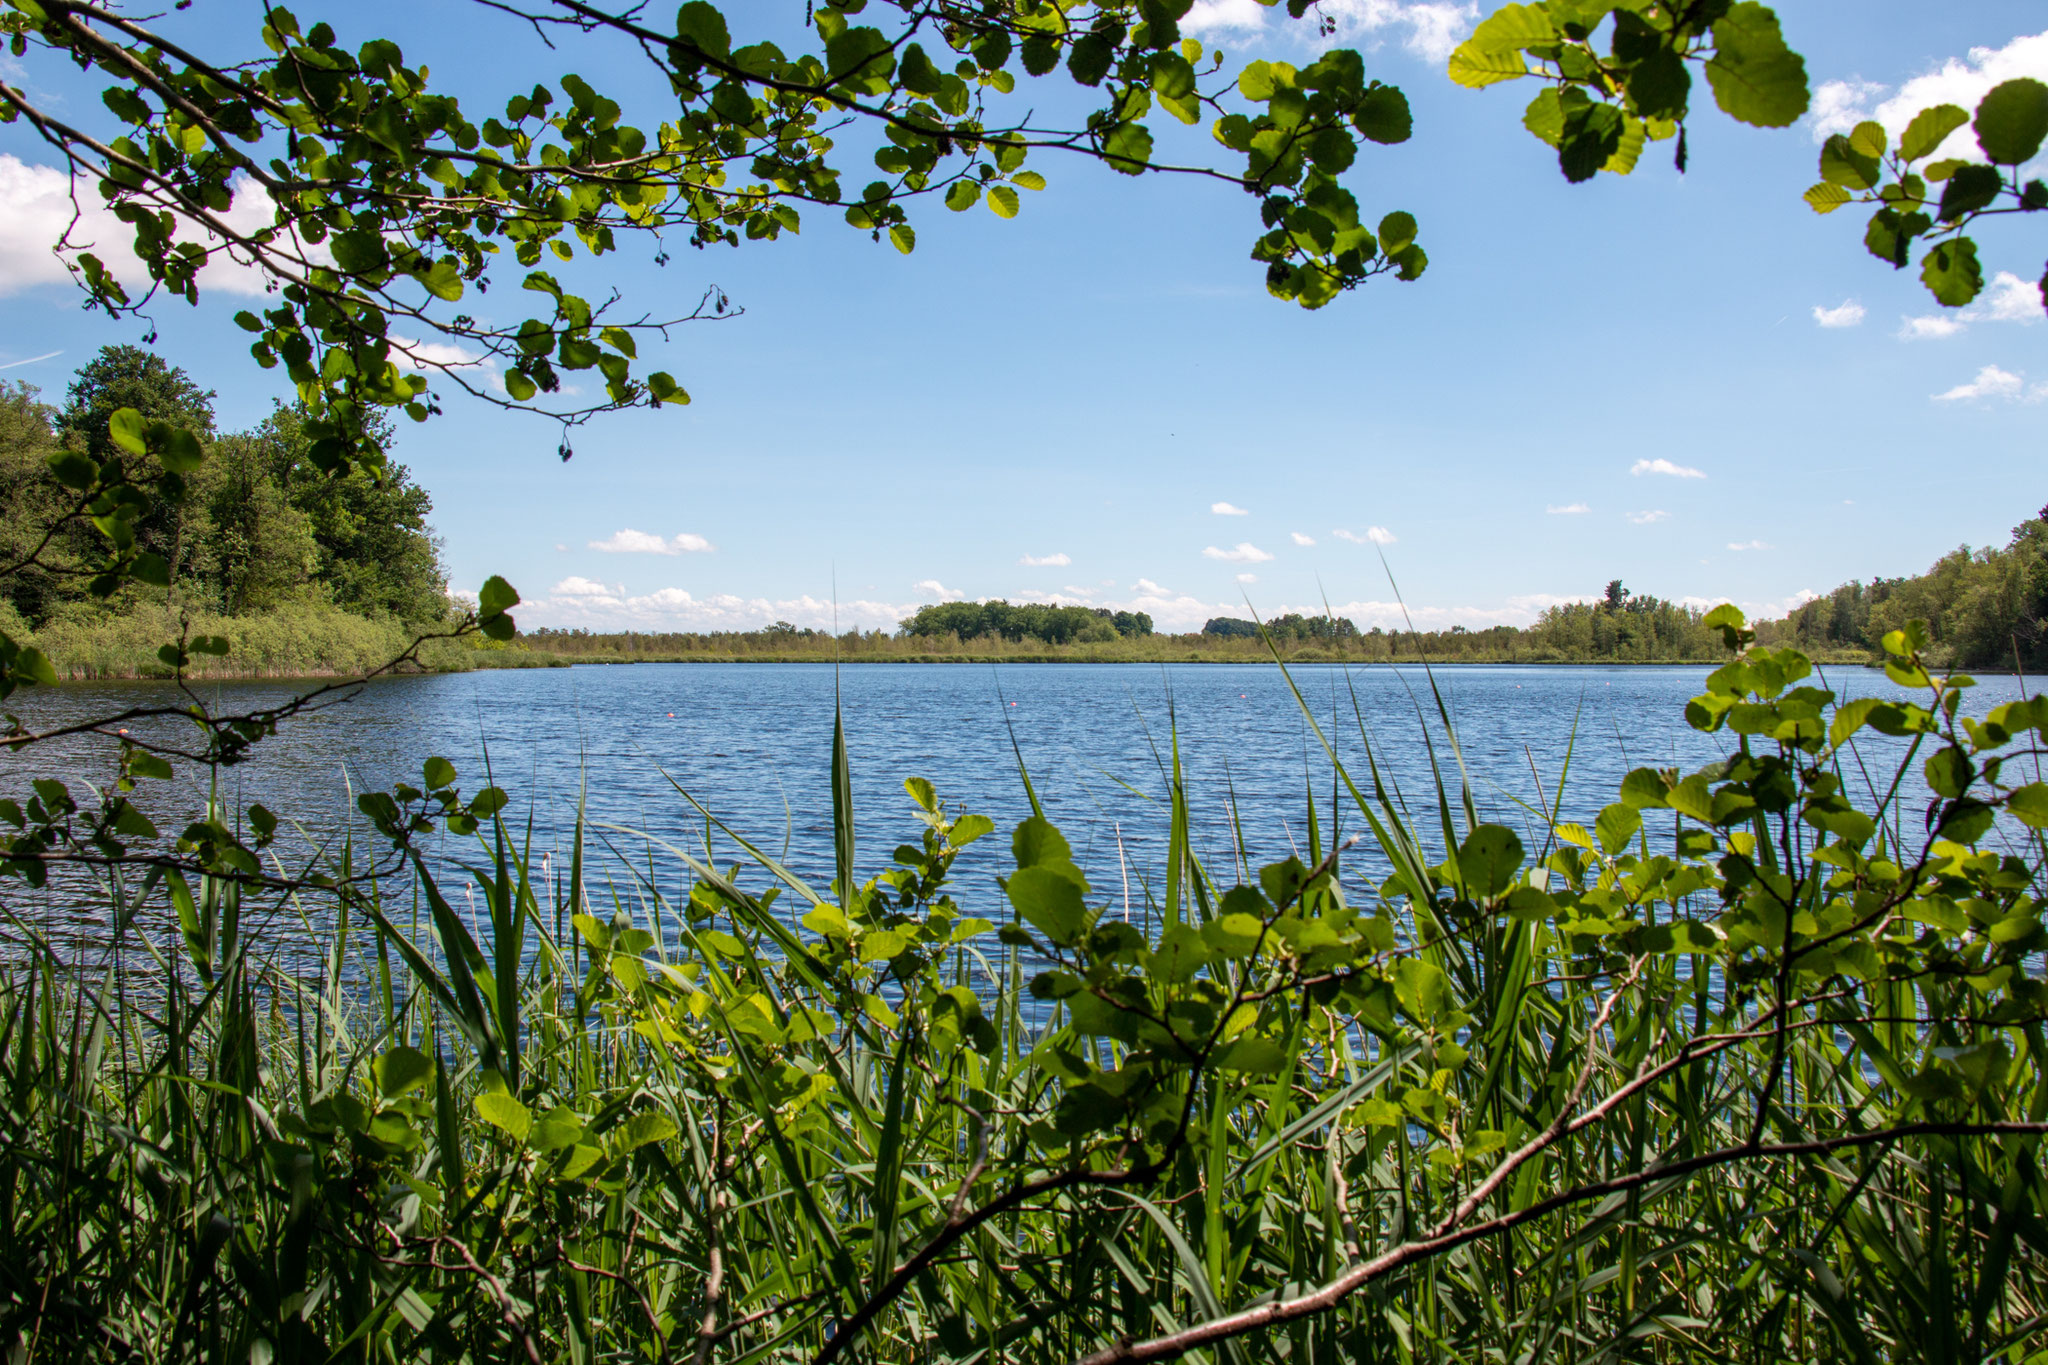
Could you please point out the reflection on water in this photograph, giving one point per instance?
(753, 743)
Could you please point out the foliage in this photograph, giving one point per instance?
(1289, 627)
(1600, 109)
(1985, 608)
(255, 526)
(1043, 622)
(1749, 1067)
(390, 205)
(300, 639)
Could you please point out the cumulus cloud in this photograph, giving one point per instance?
(1243, 553)
(1660, 466)
(1054, 561)
(1839, 106)
(932, 587)
(2008, 298)
(1755, 610)
(1300, 539)
(1848, 314)
(1645, 518)
(1428, 29)
(1739, 545)
(1569, 509)
(1247, 578)
(577, 586)
(631, 542)
(1991, 382)
(40, 209)
(1224, 509)
(1147, 588)
(1374, 535)
(583, 602)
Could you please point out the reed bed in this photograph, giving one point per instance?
(1750, 1070)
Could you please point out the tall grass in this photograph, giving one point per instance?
(1437, 1097)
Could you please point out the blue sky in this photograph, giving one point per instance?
(1690, 383)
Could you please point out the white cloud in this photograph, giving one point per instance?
(1740, 545)
(1374, 535)
(2007, 299)
(39, 208)
(1660, 466)
(1756, 611)
(1224, 509)
(1145, 587)
(582, 602)
(1992, 382)
(577, 586)
(1247, 578)
(1848, 314)
(1059, 561)
(1300, 539)
(631, 542)
(1570, 509)
(1645, 518)
(1929, 327)
(1427, 28)
(1839, 106)
(1078, 592)
(1244, 553)
(932, 587)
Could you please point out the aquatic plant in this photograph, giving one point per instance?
(1749, 1069)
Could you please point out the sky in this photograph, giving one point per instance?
(1690, 383)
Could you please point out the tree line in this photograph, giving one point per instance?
(261, 527)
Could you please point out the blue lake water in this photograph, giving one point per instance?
(753, 743)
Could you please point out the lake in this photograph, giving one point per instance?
(753, 743)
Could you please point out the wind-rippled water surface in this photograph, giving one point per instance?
(753, 743)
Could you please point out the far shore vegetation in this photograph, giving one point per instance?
(301, 573)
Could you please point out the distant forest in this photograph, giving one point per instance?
(1986, 608)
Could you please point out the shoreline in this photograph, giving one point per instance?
(561, 661)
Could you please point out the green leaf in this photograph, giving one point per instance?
(73, 470)
(1679, 936)
(1489, 859)
(1891, 233)
(1002, 200)
(1088, 61)
(1396, 231)
(126, 427)
(1475, 67)
(1972, 187)
(1616, 826)
(643, 1128)
(903, 237)
(1868, 139)
(1951, 272)
(1423, 990)
(401, 1070)
(1253, 1054)
(559, 1127)
(1755, 77)
(1383, 115)
(1591, 135)
(1038, 842)
(2030, 804)
(1842, 164)
(496, 597)
(1049, 901)
(703, 26)
(500, 1110)
(2011, 120)
(438, 772)
(1514, 27)
(1128, 148)
(1826, 198)
(179, 450)
(1929, 129)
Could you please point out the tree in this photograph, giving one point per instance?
(390, 204)
(1601, 107)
